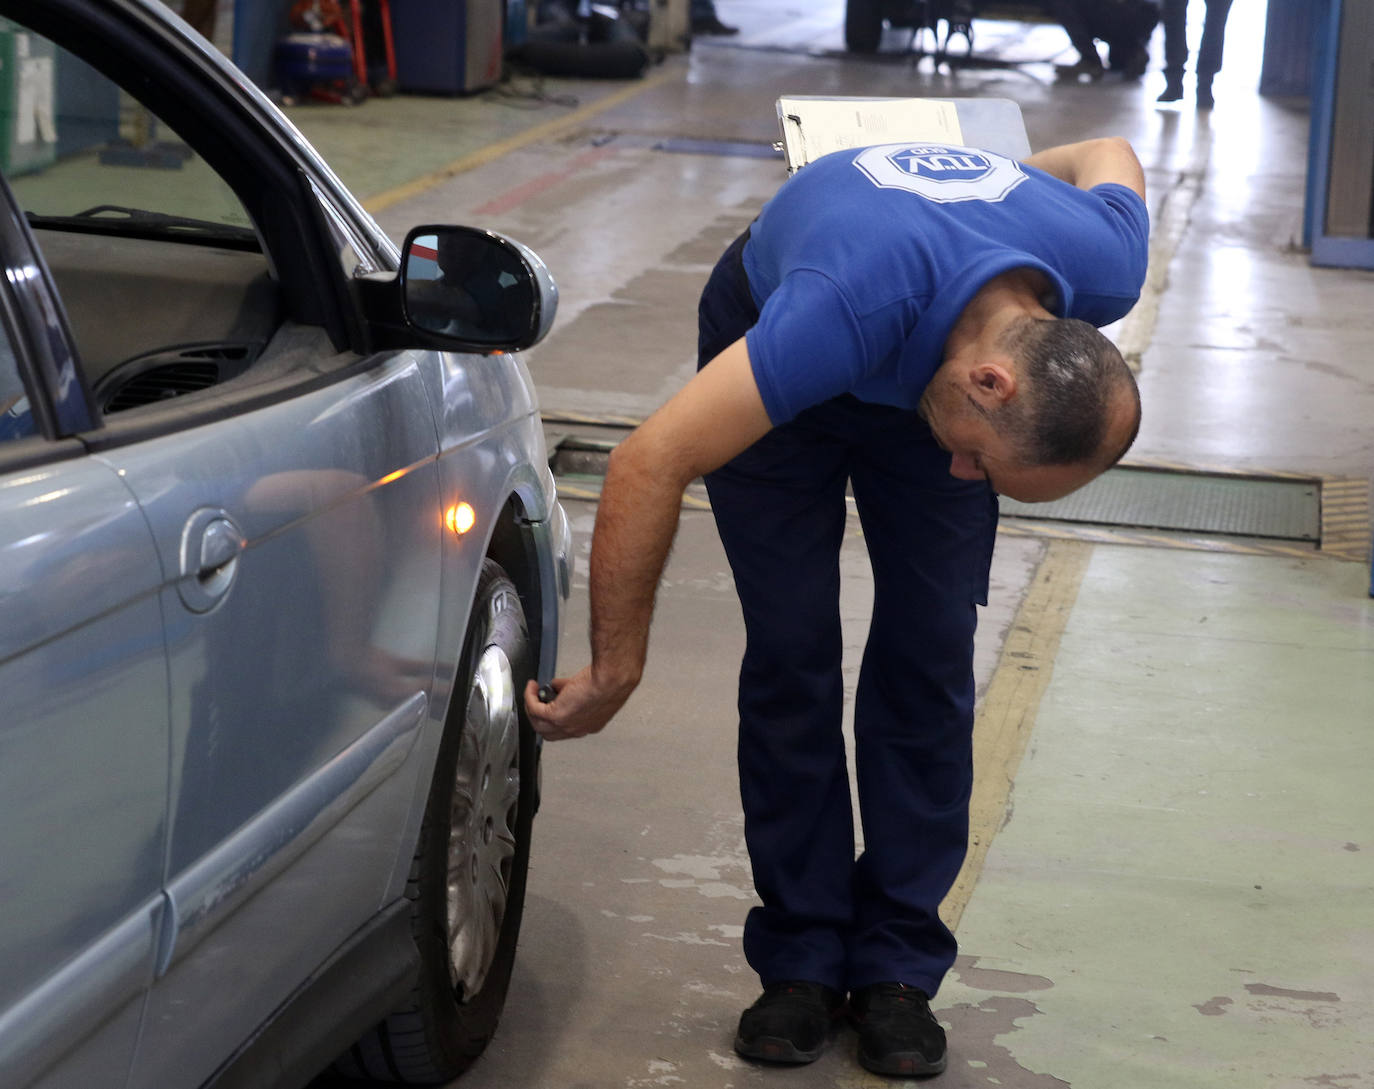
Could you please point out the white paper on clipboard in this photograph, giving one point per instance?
(813, 126)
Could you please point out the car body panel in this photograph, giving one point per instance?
(83, 761)
(318, 652)
(488, 418)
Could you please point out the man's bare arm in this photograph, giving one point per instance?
(1093, 162)
(715, 416)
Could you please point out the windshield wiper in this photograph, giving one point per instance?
(116, 219)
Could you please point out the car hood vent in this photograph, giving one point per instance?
(169, 373)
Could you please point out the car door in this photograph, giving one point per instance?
(83, 717)
(294, 507)
(301, 619)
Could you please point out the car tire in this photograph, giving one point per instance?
(863, 25)
(467, 879)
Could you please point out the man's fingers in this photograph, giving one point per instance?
(578, 707)
(539, 706)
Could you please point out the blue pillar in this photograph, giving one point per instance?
(258, 24)
(1289, 28)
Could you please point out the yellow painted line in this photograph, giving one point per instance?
(1345, 528)
(1169, 226)
(1003, 723)
(492, 152)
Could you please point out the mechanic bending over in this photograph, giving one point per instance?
(918, 322)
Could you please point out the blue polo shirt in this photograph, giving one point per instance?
(863, 261)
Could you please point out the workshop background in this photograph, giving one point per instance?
(1172, 861)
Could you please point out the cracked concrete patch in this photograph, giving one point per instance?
(724, 874)
(966, 970)
(974, 1031)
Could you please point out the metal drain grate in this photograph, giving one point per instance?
(1276, 509)
(1159, 504)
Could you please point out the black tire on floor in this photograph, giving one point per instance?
(863, 26)
(471, 861)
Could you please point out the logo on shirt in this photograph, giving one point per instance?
(940, 172)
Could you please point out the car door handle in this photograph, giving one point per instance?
(210, 547)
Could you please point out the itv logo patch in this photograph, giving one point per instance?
(941, 172)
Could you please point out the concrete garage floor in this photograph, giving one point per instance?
(1173, 857)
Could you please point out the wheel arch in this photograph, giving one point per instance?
(517, 544)
(533, 542)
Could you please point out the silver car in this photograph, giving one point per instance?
(279, 551)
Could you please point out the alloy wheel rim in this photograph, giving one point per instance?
(482, 839)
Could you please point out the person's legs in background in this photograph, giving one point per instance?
(1209, 54)
(706, 21)
(1128, 26)
(1079, 29)
(1175, 19)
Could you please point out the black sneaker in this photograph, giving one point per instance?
(790, 1023)
(898, 1035)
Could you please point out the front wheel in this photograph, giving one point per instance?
(467, 880)
(863, 25)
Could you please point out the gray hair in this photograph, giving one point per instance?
(1071, 375)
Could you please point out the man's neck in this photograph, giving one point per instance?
(1017, 293)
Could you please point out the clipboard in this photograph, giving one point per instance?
(817, 125)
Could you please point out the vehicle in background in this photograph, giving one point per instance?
(864, 20)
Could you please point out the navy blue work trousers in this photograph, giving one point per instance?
(780, 508)
(1176, 38)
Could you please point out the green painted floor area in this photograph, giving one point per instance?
(1182, 894)
(428, 133)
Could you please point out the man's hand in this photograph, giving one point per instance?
(580, 706)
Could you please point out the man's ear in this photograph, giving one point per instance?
(991, 384)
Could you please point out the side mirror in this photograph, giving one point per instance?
(475, 290)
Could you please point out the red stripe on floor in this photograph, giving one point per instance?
(544, 182)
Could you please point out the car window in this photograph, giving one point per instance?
(83, 148)
(163, 277)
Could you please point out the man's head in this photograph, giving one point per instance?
(1049, 409)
